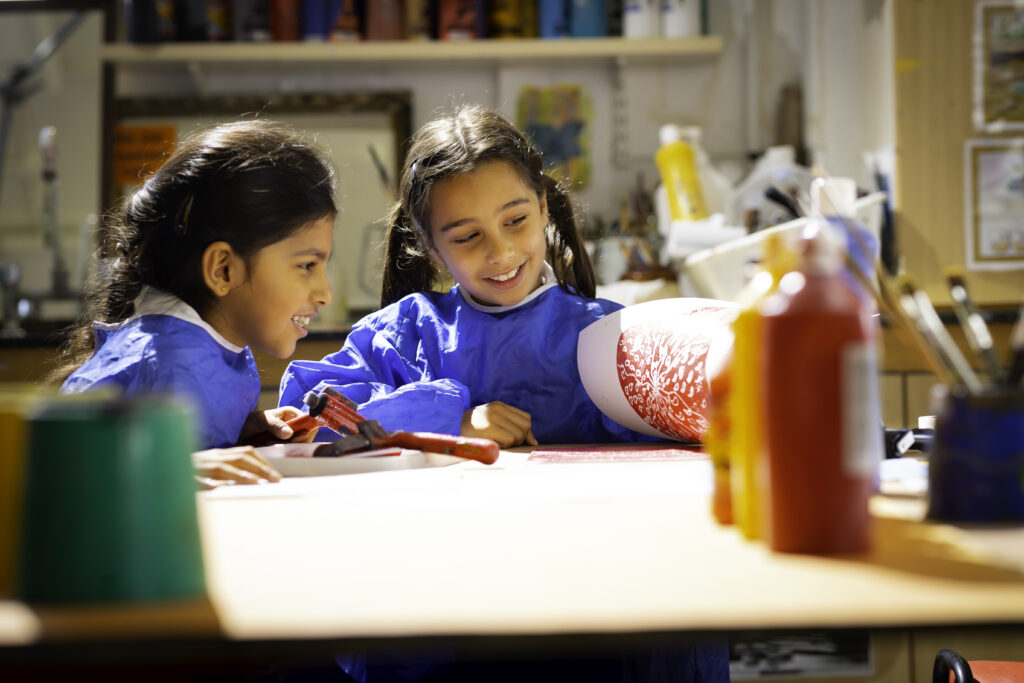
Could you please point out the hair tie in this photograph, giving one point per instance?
(183, 214)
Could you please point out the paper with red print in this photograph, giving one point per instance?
(617, 452)
(644, 366)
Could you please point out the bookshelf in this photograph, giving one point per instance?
(482, 52)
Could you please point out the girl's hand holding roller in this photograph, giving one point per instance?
(270, 426)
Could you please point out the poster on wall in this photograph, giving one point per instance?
(999, 66)
(557, 119)
(994, 203)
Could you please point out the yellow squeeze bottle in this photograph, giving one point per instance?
(746, 455)
(677, 164)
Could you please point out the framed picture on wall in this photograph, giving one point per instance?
(994, 203)
(999, 66)
(558, 119)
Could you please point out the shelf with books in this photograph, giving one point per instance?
(430, 52)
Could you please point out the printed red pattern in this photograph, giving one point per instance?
(661, 372)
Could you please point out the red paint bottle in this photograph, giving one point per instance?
(820, 391)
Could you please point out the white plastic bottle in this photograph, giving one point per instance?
(640, 18)
(680, 18)
(834, 199)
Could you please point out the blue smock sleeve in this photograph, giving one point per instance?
(163, 354)
(392, 385)
(220, 411)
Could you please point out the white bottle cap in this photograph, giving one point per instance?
(820, 248)
(670, 133)
(833, 196)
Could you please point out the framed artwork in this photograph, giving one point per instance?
(994, 203)
(557, 119)
(999, 66)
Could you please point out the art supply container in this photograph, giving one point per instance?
(680, 18)
(505, 19)
(640, 18)
(15, 405)
(677, 164)
(976, 468)
(746, 407)
(554, 18)
(719, 434)
(820, 399)
(109, 509)
(588, 19)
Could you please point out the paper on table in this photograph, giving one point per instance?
(616, 453)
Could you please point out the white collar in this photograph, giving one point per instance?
(547, 281)
(153, 301)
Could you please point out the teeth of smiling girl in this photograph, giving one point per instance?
(507, 276)
(301, 320)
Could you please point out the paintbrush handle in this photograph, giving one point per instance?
(1016, 370)
(975, 330)
(481, 450)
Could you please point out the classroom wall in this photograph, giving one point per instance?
(846, 76)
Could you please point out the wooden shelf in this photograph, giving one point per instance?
(429, 52)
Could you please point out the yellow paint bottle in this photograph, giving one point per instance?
(746, 412)
(677, 164)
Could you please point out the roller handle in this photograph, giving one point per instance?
(481, 450)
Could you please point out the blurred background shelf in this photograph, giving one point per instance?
(477, 51)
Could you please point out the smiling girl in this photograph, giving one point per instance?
(222, 249)
(495, 356)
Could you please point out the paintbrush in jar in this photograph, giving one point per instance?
(916, 304)
(975, 330)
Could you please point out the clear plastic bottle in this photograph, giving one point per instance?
(834, 199)
(820, 399)
(677, 163)
(746, 438)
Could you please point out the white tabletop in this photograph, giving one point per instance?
(530, 548)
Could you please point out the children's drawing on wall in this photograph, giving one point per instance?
(557, 118)
(999, 66)
(994, 203)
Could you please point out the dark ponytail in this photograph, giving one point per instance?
(249, 183)
(408, 266)
(565, 249)
(454, 145)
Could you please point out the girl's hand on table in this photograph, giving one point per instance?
(227, 466)
(269, 426)
(506, 424)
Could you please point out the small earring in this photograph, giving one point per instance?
(223, 290)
